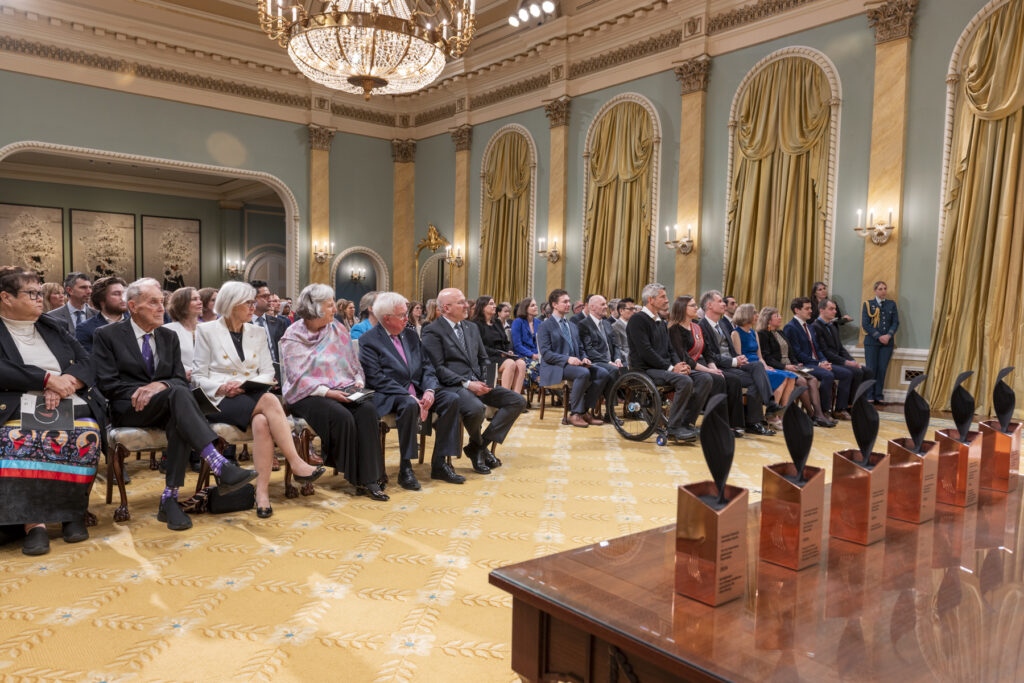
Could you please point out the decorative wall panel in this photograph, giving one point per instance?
(103, 244)
(33, 237)
(170, 251)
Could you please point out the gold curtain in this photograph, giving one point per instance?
(779, 185)
(618, 216)
(979, 311)
(505, 233)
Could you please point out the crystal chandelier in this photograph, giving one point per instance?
(370, 46)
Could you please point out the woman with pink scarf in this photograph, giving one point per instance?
(321, 373)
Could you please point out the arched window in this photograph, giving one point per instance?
(508, 190)
(783, 139)
(621, 165)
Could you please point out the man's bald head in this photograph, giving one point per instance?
(452, 304)
(597, 306)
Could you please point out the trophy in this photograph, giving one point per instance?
(793, 497)
(913, 463)
(860, 479)
(1000, 440)
(959, 452)
(711, 523)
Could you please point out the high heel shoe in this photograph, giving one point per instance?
(310, 478)
(264, 513)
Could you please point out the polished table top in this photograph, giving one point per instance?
(942, 600)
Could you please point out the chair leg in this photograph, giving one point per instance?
(565, 403)
(121, 514)
(423, 446)
(540, 394)
(152, 460)
(244, 456)
(384, 429)
(302, 449)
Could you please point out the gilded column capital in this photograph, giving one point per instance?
(693, 74)
(557, 111)
(892, 20)
(403, 151)
(320, 137)
(463, 137)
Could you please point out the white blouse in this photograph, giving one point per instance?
(188, 343)
(34, 351)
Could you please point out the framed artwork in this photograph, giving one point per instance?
(170, 251)
(33, 237)
(103, 244)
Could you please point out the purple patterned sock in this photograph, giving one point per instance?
(169, 493)
(214, 458)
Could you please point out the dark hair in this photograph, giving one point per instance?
(100, 287)
(814, 290)
(478, 308)
(726, 298)
(256, 284)
(555, 295)
(13, 278)
(624, 304)
(523, 307)
(677, 314)
(205, 294)
(587, 298)
(502, 306)
(180, 302)
(72, 278)
(798, 303)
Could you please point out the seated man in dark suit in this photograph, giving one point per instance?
(139, 371)
(459, 361)
(275, 327)
(804, 349)
(625, 309)
(599, 339)
(651, 352)
(404, 383)
(751, 376)
(562, 357)
(108, 298)
(827, 334)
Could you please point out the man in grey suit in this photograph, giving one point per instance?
(459, 359)
(625, 309)
(598, 339)
(78, 289)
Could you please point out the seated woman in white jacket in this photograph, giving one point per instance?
(229, 352)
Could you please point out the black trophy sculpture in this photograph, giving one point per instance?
(1004, 400)
(962, 405)
(718, 443)
(799, 432)
(917, 413)
(865, 422)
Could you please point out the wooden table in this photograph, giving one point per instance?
(940, 601)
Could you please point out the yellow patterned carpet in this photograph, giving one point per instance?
(336, 587)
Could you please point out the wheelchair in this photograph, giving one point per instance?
(638, 408)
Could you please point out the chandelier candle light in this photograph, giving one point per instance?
(683, 246)
(321, 252)
(878, 231)
(551, 254)
(384, 47)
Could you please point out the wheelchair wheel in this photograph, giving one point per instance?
(634, 406)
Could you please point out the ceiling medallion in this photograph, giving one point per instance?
(383, 47)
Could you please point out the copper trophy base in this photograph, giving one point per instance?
(959, 468)
(791, 516)
(711, 545)
(859, 497)
(912, 479)
(1000, 456)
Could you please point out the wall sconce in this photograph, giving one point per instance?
(878, 231)
(322, 254)
(357, 274)
(453, 257)
(234, 270)
(551, 254)
(683, 246)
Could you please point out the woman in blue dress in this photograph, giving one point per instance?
(744, 339)
(524, 338)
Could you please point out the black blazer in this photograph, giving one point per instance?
(493, 337)
(452, 365)
(387, 374)
(599, 347)
(649, 348)
(770, 349)
(682, 341)
(721, 360)
(120, 369)
(829, 342)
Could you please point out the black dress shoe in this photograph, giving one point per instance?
(476, 459)
(407, 479)
(683, 434)
(373, 491)
(74, 531)
(879, 403)
(232, 477)
(264, 513)
(760, 429)
(773, 408)
(490, 459)
(820, 422)
(175, 517)
(310, 478)
(36, 542)
(738, 432)
(444, 472)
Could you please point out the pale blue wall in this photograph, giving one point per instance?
(362, 194)
(435, 189)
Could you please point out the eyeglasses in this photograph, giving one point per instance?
(250, 303)
(33, 294)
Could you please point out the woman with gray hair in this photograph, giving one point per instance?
(321, 371)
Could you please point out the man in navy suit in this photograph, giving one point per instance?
(827, 334)
(274, 326)
(562, 357)
(404, 383)
(108, 298)
(880, 320)
(599, 339)
(804, 349)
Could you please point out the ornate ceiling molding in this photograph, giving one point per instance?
(762, 9)
(320, 138)
(365, 115)
(557, 111)
(644, 48)
(893, 20)
(444, 112)
(693, 74)
(463, 138)
(509, 91)
(403, 151)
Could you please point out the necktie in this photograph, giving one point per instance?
(262, 322)
(564, 326)
(462, 339)
(401, 352)
(147, 353)
(814, 354)
(79, 315)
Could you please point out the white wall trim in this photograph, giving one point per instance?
(832, 74)
(291, 206)
(897, 354)
(380, 266)
(532, 217)
(422, 276)
(652, 262)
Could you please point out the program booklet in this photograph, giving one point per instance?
(35, 415)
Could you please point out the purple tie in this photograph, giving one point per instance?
(147, 353)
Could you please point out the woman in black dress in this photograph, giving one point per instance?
(511, 370)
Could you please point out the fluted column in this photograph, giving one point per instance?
(463, 139)
(320, 139)
(557, 112)
(403, 153)
(693, 78)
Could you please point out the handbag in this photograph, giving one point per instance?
(243, 498)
